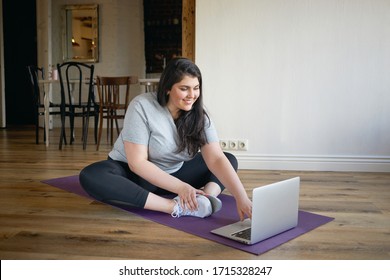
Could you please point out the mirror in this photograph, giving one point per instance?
(80, 33)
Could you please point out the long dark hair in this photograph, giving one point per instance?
(190, 124)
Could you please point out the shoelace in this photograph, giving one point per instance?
(178, 211)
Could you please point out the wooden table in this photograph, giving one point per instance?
(46, 103)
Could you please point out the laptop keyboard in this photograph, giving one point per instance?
(244, 234)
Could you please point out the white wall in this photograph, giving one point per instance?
(121, 36)
(307, 82)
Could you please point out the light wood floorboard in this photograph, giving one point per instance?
(41, 222)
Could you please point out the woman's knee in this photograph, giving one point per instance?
(95, 173)
(90, 171)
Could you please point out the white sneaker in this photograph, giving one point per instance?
(216, 203)
(204, 208)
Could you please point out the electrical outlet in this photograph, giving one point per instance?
(243, 145)
(233, 145)
(224, 144)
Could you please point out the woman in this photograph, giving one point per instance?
(157, 153)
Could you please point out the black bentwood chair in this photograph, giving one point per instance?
(77, 98)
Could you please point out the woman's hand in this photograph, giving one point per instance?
(187, 195)
(244, 208)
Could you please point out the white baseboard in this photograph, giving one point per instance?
(314, 163)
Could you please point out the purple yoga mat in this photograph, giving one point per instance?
(202, 227)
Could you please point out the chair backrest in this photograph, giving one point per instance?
(35, 73)
(76, 80)
(114, 92)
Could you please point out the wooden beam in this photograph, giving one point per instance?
(188, 29)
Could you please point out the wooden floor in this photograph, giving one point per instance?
(41, 222)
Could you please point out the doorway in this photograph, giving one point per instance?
(163, 28)
(20, 50)
(169, 27)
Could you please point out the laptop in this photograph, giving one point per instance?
(274, 210)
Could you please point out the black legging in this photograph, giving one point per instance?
(112, 181)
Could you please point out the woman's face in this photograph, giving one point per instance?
(183, 95)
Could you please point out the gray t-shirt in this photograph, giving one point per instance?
(148, 123)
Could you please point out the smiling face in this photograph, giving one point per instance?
(183, 95)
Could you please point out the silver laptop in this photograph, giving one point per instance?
(274, 210)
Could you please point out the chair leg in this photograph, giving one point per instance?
(44, 132)
(107, 126)
(96, 125)
(62, 134)
(100, 130)
(71, 119)
(111, 129)
(36, 120)
(83, 125)
(117, 126)
(85, 132)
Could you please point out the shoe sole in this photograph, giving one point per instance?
(216, 203)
